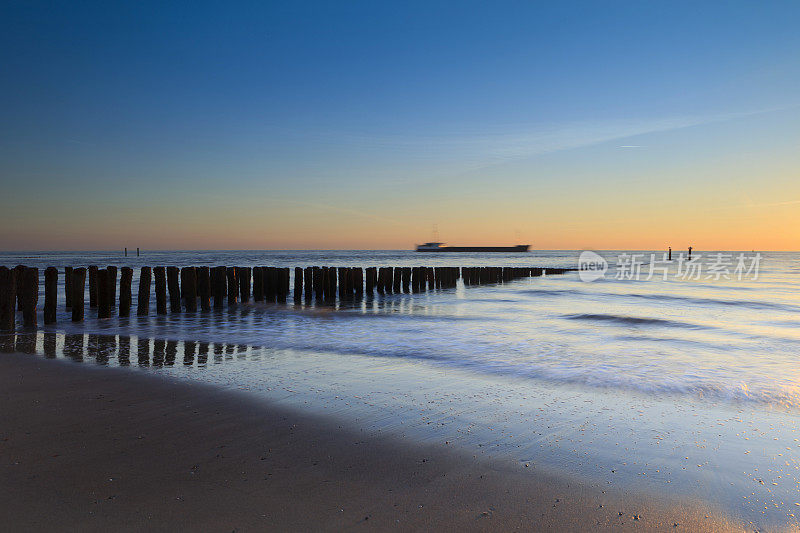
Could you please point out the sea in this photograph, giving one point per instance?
(674, 377)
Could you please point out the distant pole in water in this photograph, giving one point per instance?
(670, 253)
(126, 252)
(690, 252)
(137, 252)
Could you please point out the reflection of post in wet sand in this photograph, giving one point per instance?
(171, 354)
(124, 357)
(103, 347)
(108, 349)
(26, 343)
(202, 355)
(73, 346)
(159, 349)
(49, 345)
(189, 348)
(143, 352)
(7, 343)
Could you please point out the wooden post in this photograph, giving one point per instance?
(92, 286)
(308, 282)
(218, 276)
(112, 284)
(174, 287)
(161, 290)
(298, 284)
(189, 288)
(233, 285)
(143, 308)
(68, 286)
(342, 273)
(359, 281)
(125, 297)
(204, 287)
(50, 294)
(284, 284)
(78, 290)
(330, 289)
(243, 274)
(20, 271)
(268, 283)
(8, 298)
(103, 294)
(371, 275)
(30, 296)
(380, 282)
(258, 284)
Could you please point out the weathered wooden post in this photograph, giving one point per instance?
(103, 294)
(381, 281)
(283, 293)
(20, 271)
(298, 284)
(112, 284)
(308, 283)
(258, 284)
(189, 288)
(30, 296)
(218, 286)
(243, 273)
(93, 286)
(328, 295)
(371, 278)
(233, 285)
(160, 274)
(342, 273)
(78, 290)
(50, 294)
(8, 298)
(204, 287)
(269, 283)
(143, 307)
(174, 287)
(68, 286)
(317, 282)
(397, 279)
(125, 297)
(359, 280)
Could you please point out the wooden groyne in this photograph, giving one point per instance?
(221, 285)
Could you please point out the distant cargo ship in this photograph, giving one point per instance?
(442, 247)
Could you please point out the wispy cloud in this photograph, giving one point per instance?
(463, 151)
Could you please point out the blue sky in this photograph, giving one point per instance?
(315, 120)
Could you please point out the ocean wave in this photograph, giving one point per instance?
(633, 321)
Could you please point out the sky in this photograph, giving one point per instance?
(336, 125)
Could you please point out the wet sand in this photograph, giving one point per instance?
(90, 449)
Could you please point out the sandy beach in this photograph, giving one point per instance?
(99, 448)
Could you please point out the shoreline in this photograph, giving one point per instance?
(92, 448)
